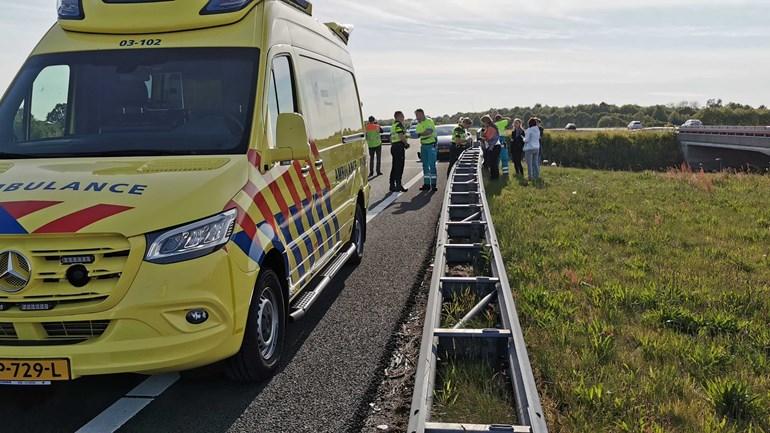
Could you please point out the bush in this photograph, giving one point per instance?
(614, 150)
(611, 122)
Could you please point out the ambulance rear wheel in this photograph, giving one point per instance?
(263, 340)
(358, 237)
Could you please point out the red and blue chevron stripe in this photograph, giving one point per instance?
(12, 212)
(315, 207)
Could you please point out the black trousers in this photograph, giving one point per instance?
(398, 151)
(517, 154)
(375, 152)
(454, 156)
(494, 161)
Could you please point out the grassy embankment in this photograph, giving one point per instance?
(644, 297)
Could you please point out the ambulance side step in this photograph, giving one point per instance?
(306, 300)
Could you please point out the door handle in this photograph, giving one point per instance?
(319, 164)
(306, 170)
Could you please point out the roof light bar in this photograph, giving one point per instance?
(70, 9)
(224, 6)
(303, 5)
(343, 31)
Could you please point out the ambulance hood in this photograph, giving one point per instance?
(129, 196)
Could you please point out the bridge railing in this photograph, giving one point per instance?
(741, 131)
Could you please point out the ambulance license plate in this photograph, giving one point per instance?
(34, 370)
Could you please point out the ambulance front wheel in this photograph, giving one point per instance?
(263, 340)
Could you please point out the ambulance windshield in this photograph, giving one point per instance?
(192, 101)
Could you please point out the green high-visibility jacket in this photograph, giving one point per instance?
(397, 132)
(426, 125)
(373, 137)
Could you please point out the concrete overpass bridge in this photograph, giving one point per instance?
(719, 147)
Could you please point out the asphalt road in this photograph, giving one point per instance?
(330, 372)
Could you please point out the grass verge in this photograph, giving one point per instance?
(644, 297)
(472, 392)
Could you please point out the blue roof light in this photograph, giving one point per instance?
(70, 9)
(224, 6)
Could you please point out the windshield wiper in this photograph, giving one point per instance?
(131, 152)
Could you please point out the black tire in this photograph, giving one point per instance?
(358, 236)
(262, 348)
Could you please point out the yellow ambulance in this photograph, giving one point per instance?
(178, 180)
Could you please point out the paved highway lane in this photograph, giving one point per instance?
(335, 354)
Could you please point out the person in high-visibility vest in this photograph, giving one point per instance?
(459, 142)
(502, 125)
(398, 145)
(374, 140)
(426, 131)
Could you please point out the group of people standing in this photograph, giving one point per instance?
(399, 142)
(499, 147)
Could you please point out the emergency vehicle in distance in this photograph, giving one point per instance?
(177, 181)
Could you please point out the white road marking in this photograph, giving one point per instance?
(115, 416)
(372, 214)
(154, 386)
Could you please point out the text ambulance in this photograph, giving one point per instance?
(178, 179)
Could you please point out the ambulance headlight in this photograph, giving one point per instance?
(70, 9)
(224, 6)
(191, 241)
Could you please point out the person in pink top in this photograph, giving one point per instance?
(492, 146)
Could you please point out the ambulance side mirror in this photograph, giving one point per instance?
(291, 139)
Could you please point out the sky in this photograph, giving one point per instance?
(448, 56)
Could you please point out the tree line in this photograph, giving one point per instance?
(603, 115)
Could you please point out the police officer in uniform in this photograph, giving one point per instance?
(459, 142)
(426, 130)
(398, 146)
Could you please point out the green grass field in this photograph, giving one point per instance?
(644, 297)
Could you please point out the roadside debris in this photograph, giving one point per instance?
(390, 410)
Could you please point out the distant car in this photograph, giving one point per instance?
(385, 134)
(571, 127)
(692, 123)
(635, 125)
(445, 133)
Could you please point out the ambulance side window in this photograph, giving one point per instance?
(48, 105)
(19, 128)
(349, 105)
(280, 95)
(45, 113)
(320, 101)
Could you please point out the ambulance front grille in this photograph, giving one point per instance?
(7, 331)
(76, 330)
(104, 258)
(106, 263)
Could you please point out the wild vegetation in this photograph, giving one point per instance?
(612, 116)
(644, 297)
(614, 150)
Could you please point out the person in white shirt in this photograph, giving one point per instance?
(532, 150)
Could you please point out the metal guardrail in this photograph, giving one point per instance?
(466, 216)
(741, 131)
